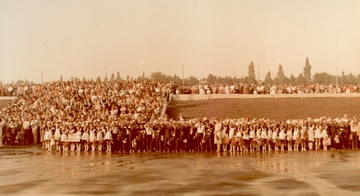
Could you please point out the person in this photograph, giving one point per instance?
(99, 136)
(57, 137)
(92, 129)
(86, 139)
(290, 138)
(225, 136)
(217, 132)
(108, 139)
(317, 136)
(311, 134)
(64, 141)
(232, 136)
(35, 128)
(354, 126)
(304, 137)
(282, 137)
(200, 134)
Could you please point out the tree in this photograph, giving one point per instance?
(251, 73)
(292, 79)
(112, 77)
(268, 79)
(300, 79)
(143, 76)
(193, 80)
(118, 78)
(307, 71)
(98, 79)
(61, 78)
(211, 79)
(281, 79)
(157, 76)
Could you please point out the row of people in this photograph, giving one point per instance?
(239, 88)
(201, 134)
(230, 88)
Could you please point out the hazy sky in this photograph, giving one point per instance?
(78, 38)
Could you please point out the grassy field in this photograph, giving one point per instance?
(277, 109)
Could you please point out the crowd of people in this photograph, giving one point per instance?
(233, 88)
(128, 116)
(39, 109)
(240, 88)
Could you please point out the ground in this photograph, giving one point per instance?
(277, 109)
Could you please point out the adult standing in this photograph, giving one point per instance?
(217, 133)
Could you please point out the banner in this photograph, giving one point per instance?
(73, 137)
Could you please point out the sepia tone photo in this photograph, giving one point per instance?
(179, 97)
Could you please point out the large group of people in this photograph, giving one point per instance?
(128, 116)
(229, 88)
(39, 109)
(239, 88)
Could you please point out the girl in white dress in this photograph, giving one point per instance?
(57, 137)
(311, 134)
(290, 138)
(93, 138)
(47, 137)
(108, 139)
(64, 140)
(282, 136)
(297, 138)
(78, 136)
(317, 137)
(325, 138)
(100, 138)
(86, 139)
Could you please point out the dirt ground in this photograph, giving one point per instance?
(277, 109)
(31, 171)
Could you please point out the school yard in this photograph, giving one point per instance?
(30, 170)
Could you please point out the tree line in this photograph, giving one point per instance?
(280, 78)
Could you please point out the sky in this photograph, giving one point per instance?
(45, 39)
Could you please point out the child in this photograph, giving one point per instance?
(232, 137)
(304, 137)
(282, 136)
(290, 138)
(252, 139)
(79, 137)
(86, 139)
(99, 138)
(317, 137)
(311, 136)
(108, 139)
(275, 139)
(64, 141)
(92, 138)
(57, 137)
(325, 138)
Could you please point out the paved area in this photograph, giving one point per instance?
(31, 171)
